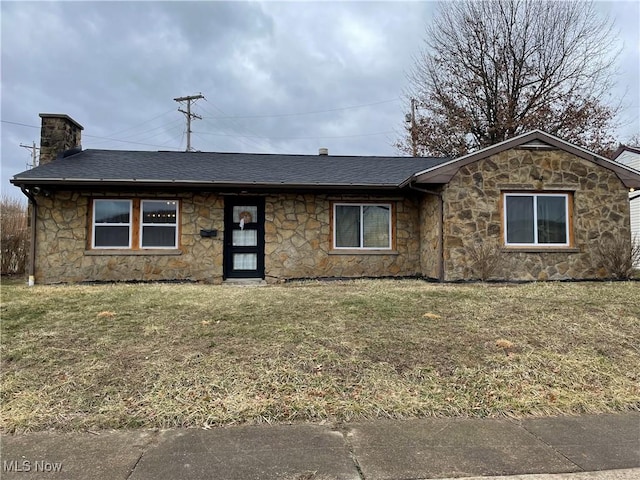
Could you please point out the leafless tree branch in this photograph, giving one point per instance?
(491, 70)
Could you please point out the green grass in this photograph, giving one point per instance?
(160, 355)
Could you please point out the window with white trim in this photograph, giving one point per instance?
(362, 226)
(112, 223)
(135, 224)
(159, 224)
(538, 219)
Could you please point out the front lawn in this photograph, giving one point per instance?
(167, 355)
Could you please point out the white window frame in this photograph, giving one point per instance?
(362, 205)
(93, 220)
(175, 224)
(535, 219)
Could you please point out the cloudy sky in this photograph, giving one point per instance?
(277, 77)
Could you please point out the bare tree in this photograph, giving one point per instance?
(14, 235)
(633, 141)
(491, 70)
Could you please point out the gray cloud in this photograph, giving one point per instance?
(116, 66)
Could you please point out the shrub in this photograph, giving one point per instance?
(617, 255)
(15, 235)
(486, 258)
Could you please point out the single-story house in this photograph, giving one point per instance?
(535, 207)
(630, 156)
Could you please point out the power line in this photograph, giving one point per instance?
(124, 141)
(139, 124)
(88, 136)
(298, 138)
(313, 112)
(253, 144)
(175, 136)
(21, 124)
(182, 138)
(140, 136)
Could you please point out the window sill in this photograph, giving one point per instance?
(541, 249)
(126, 252)
(356, 251)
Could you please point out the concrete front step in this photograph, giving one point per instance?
(245, 282)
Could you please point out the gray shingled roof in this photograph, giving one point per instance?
(99, 167)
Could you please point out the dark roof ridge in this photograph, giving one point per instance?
(311, 155)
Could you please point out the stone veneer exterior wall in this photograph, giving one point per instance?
(297, 241)
(473, 211)
(61, 243)
(430, 227)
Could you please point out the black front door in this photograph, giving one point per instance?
(244, 237)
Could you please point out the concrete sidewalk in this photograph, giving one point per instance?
(413, 449)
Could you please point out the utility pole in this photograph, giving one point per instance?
(34, 154)
(189, 99)
(414, 130)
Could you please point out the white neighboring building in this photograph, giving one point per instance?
(630, 156)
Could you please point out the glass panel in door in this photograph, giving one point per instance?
(244, 237)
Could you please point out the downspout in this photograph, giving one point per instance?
(441, 208)
(32, 243)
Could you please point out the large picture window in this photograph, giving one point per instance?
(112, 224)
(540, 219)
(362, 226)
(135, 224)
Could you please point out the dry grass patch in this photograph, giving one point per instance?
(115, 356)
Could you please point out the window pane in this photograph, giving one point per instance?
(520, 219)
(111, 211)
(111, 237)
(245, 261)
(347, 226)
(158, 236)
(159, 211)
(552, 219)
(248, 212)
(375, 224)
(245, 238)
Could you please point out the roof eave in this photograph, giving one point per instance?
(443, 172)
(93, 183)
(625, 148)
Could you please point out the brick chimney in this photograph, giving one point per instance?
(59, 133)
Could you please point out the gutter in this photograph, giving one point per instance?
(441, 239)
(101, 182)
(32, 243)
